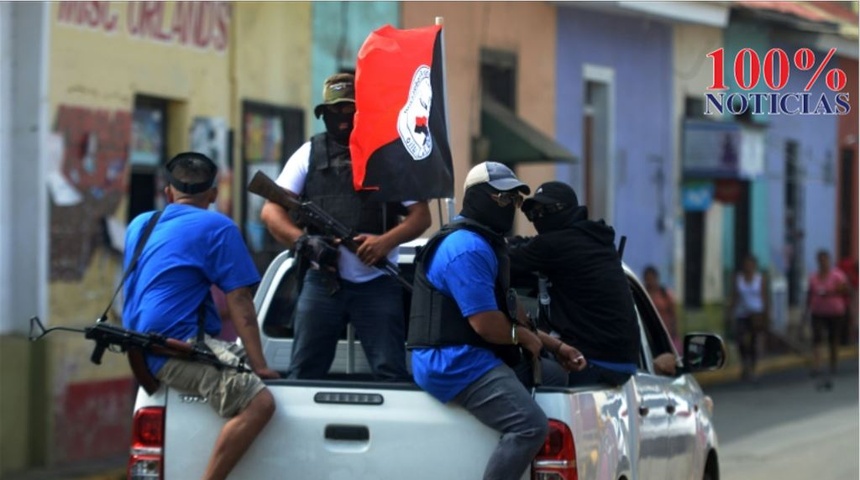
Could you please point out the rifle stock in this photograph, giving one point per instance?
(265, 187)
(311, 214)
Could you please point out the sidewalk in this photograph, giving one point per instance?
(114, 469)
(771, 364)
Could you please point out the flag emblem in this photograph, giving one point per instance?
(412, 121)
(399, 145)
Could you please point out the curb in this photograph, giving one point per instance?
(732, 373)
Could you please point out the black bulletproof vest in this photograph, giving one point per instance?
(435, 320)
(329, 186)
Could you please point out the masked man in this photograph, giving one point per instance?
(465, 341)
(321, 171)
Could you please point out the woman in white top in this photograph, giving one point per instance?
(750, 309)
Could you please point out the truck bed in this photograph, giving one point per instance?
(342, 430)
(346, 427)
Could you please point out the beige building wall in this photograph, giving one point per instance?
(204, 58)
(101, 56)
(273, 54)
(527, 29)
(691, 76)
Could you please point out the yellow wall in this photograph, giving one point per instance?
(265, 28)
(272, 62)
(15, 410)
(102, 67)
(527, 29)
(102, 54)
(93, 67)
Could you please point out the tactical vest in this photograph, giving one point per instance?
(329, 186)
(435, 320)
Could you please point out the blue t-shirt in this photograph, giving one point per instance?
(464, 267)
(189, 250)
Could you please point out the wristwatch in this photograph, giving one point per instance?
(514, 339)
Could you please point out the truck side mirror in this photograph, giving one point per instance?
(703, 352)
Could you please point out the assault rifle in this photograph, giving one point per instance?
(313, 215)
(134, 344)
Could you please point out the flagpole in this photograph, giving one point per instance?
(450, 201)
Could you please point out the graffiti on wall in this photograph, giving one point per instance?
(203, 25)
(93, 160)
(94, 419)
(209, 135)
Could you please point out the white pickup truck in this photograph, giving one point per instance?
(348, 427)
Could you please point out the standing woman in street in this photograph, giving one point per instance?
(750, 308)
(825, 303)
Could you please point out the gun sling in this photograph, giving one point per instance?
(136, 359)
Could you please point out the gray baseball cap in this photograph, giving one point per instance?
(497, 175)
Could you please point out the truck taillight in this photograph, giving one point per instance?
(146, 459)
(556, 460)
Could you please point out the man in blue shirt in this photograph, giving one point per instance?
(190, 249)
(463, 344)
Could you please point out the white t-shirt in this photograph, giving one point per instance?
(749, 293)
(293, 178)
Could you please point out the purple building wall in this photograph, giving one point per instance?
(816, 139)
(640, 53)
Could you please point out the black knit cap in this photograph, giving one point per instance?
(551, 193)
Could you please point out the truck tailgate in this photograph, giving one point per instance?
(337, 431)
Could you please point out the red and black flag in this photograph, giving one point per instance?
(399, 144)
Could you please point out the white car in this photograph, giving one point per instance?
(349, 428)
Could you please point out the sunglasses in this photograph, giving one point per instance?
(504, 199)
(541, 210)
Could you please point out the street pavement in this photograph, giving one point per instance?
(784, 427)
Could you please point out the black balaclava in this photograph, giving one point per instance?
(332, 125)
(479, 206)
(564, 218)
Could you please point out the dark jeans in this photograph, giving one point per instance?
(749, 329)
(499, 400)
(831, 327)
(374, 308)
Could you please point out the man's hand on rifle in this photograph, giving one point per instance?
(321, 251)
(372, 248)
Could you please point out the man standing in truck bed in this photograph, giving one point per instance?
(344, 287)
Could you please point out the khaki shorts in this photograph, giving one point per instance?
(226, 390)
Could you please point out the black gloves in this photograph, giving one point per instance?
(319, 250)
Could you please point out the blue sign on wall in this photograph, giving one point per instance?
(697, 196)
